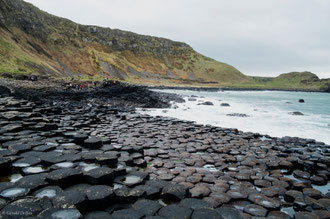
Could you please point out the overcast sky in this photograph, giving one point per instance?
(258, 37)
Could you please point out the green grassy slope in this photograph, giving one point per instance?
(33, 41)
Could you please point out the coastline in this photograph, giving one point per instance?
(163, 160)
(213, 89)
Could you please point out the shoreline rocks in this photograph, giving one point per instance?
(86, 158)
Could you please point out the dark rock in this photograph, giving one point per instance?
(151, 192)
(93, 143)
(174, 192)
(14, 193)
(278, 215)
(291, 195)
(127, 214)
(323, 214)
(147, 207)
(194, 203)
(102, 175)
(64, 177)
(317, 180)
(4, 91)
(199, 191)
(207, 103)
(305, 215)
(237, 115)
(5, 166)
(67, 199)
(127, 195)
(97, 215)
(313, 193)
(229, 213)
(301, 174)
(66, 213)
(297, 113)
(301, 101)
(132, 179)
(175, 212)
(28, 207)
(48, 191)
(99, 196)
(206, 213)
(264, 201)
(32, 182)
(255, 210)
(224, 104)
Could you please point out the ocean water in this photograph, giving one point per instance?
(269, 112)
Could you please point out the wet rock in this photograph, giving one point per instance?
(323, 214)
(28, 207)
(238, 194)
(301, 174)
(255, 210)
(151, 192)
(229, 213)
(126, 214)
(291, 195)
(220, 198)
(224, 104)
(264, 201)
(305, 215)
(64, 177)
(194, 203)
(317, 180)
(48, 191)
(99, 196)
(132, 179)
(12, 128)
(297, 113)
(175, 212)
(127, 195)
(174, 192)
(199, 191)
(14, 193)
(206, 213)
(147, 207)
(278, 215)
(313, 193)
(206, 103)
(93, 143)
(97, 215)
(101, 175)
(301, 101)
(237, 115)
(33, 182)
(262, 183)
(62, 214)
(68, 199)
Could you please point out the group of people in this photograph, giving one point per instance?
(81, 86)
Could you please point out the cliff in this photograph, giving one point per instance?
(35, 42)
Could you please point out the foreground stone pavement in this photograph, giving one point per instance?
(94, 161)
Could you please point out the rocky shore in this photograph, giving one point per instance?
(88, 154)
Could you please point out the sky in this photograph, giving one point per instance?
(258, 37)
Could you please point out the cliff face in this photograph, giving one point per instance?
(33, 41)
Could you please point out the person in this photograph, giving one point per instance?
(81, 86)
(107, 77)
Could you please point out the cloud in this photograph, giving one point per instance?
(259, 37)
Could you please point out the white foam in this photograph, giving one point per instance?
(268, 112)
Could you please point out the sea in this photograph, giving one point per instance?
(265, 112)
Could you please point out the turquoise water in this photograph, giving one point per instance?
(268, 112)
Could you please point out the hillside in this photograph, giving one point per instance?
(35, 42)
(294, 81)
